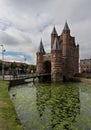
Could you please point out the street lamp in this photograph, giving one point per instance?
(24, 64)
(24, 60)
(3, 50)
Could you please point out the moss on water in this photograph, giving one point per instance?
(53, 106)
(8, 119)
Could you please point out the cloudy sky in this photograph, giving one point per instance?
(24, 22)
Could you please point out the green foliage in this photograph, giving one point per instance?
(0, 65)
(13, 65)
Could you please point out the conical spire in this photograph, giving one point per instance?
(41, 48)
(56, 45)
(66, 27)
(54, 32)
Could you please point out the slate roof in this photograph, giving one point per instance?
(66, 27)
(41, 48)
(54, 31)
(56, 45)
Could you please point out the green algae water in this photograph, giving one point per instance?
(53, 106)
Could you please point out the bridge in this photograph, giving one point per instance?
(41, 77)
(22, 79)
(29, 77)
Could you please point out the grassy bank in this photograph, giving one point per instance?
(8, 119)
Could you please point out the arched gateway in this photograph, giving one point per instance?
(63, 61)
(47, 67)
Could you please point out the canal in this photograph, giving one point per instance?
(53, 106)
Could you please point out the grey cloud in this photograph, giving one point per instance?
(7, 39)
(26, 21)
(29, 6)
(4, 24)
(81, 11)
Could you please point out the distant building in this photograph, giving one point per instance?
(63, 60)
(8, 63)
(10, 66)
(85, 65)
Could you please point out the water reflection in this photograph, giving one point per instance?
(53, 106)
(61, 104)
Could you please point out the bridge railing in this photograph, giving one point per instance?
(22, 76)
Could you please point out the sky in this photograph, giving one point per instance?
(24, 22)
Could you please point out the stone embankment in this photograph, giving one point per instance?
(80, 79)
(15, 83)
(85, 80)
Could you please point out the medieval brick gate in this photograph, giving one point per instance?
(63, 60)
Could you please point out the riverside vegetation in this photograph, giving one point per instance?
(8, 118)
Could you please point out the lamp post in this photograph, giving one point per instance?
(3, 50)
(24, 60)
(24, 64)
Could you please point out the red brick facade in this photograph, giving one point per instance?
(64, 56)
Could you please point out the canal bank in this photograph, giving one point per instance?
(8, 117)
(9, 121)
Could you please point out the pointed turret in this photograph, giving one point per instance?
(56, 45)
(54, 32)
(53, 36)
(66, 28)
(41, 48)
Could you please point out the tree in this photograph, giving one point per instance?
(13, 65)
